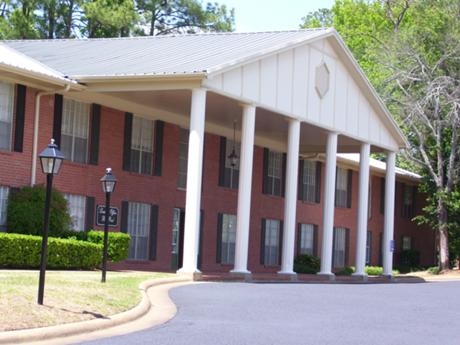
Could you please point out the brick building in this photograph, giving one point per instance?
(166, 114)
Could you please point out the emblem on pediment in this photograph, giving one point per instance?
(322, 76)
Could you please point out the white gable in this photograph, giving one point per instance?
(286, 83)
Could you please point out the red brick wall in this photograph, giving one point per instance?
(162, 190)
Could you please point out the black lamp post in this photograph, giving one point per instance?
(108, 186)
(50, 159)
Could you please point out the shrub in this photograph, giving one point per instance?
(409, 260)
(118, 244)
(434, 270)
(26, 210)
(346, 271)
(373, 270)
(23, 251)
(306, 264)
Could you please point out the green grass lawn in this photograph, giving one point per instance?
(69, 296)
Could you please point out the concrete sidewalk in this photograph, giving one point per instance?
(155, 308)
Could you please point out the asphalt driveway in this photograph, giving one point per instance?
(243, 313)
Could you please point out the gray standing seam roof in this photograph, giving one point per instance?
(158, 55)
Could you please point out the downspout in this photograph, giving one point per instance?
(38, 96)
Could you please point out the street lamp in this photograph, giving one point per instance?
(108, 186)
(51, 159)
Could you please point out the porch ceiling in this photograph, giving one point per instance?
(221, 112)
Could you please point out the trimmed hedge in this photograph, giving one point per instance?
(23, 251)
(118, 242)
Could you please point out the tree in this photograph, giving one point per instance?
(410, 51)
(320, 18)
(161, 17)
(424, 93)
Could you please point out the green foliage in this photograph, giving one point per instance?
(23, 251)
(435, 270)
(346, 271)
(306, 264)
(26, 212)
(373, 270)
(118, 244)
(110, 18)
(409, 260)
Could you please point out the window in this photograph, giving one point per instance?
(309, 186)
(6, 114)
(4, 194)
(229, 174)
(74, 130)
(343, 188)
(406, 243)
(368, 248)
(138, 224)
(228, 238)
(77, 209)
(306, 239)
(142, 145)
(339, 247)
(408, 209)
(183, 154)
(273, 173)
(271, 235)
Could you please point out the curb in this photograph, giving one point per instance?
(87, 326)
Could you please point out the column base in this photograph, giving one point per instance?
(360, 276)
(327, 275)
(291, 276)
(387, 276)
(195, 276)
(244, 274)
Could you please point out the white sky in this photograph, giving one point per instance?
(272, 15)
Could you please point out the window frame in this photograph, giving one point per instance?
(226, 238)
(312, 229)
(8, 119)
(339, 253)
(271, 242)
(74, 210)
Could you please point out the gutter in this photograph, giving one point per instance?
(38, 96)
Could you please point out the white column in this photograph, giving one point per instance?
(290, 200)
(244, 190)
(329, 204)
(194, 177)
(363, 207)
(388, 222)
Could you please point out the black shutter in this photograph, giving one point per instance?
(20, 117)
(414, 198)
(57, 122)
(95, 129)
(200, 241)
(158, 158)
(349, 187)
(265, 181)
(299, 238)
(315, 240)
(127, 141)
(300, 194)
(89, 212)
(124, 216)
(318, 182)
(382, 195)
(222, 158)
(262, 243)
(283, 174)
(153, 232)
(280, 244)
(219, 238)
(347, 246)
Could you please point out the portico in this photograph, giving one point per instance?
(296, 92)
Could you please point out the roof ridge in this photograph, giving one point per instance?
(221, 33)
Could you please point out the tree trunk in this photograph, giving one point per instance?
(444, 263)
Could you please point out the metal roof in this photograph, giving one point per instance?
(15, 60)
(158, 55)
